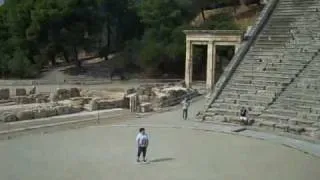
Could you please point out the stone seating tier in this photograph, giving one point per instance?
(266, 80)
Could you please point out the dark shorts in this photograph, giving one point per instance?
(142, 150)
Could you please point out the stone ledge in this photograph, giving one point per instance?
(214, 32)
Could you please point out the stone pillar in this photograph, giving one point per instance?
(211, 65)
(188, 65)
(133, 103)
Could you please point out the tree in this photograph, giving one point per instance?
(20, 65)
(120, 23)
(221, 21)
(162, 19)
(33, 33)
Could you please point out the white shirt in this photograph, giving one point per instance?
(142, 140)
(185, 104)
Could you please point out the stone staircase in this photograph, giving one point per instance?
(283, 51)
(297, 110)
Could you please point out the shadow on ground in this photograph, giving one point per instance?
(161, 160)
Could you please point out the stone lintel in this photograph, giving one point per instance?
(214, 35)
(214, 32)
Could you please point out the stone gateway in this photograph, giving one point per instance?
(210, 38)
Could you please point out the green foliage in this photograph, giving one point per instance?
(20, 65)
(163, 39)
(33, 33)
(223, 21)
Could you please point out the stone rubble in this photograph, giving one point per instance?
(74, 100)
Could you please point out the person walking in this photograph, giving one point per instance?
(142, 140)
(185, 106)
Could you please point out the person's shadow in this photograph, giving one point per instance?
(157, 160)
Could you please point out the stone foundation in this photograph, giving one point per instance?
(4, 93)
(21, 92)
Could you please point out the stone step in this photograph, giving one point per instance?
(266, 76)
(268, 70)
(312, 71)
(281, 112)
(237, 90)
(300, 95)
(311, 86)
(271, 83)
(300, 122)
(247, 86)
(292, 70)
(280, 32)
(278, 51)
(309, 116)
(299, 101)
(274, 117)
(314, 68)
(222, 118)
(265, 59)
(275, 36)
(270, 42)
(298, 24)
(231, 112)
(285, 115)
(221, 111)
(277, 47)
(259, 82)
(236, 106)
(294, 17)
(274, 39)
(241, 80)
(253, 89)
(307, 75)
(267, 93)
(265, 123)
(284, 127)
(255, 61)
(296, 7)
(228, 94)
(281, 27)
(293, 107)
(269, 46)
(243, 102)
(289, 19)
(286, 51)
(289, 2)
(305, 89)
(257, 97)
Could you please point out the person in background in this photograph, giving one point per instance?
(142, 140)
(185, 107)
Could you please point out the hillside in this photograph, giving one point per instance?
(244, 15)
